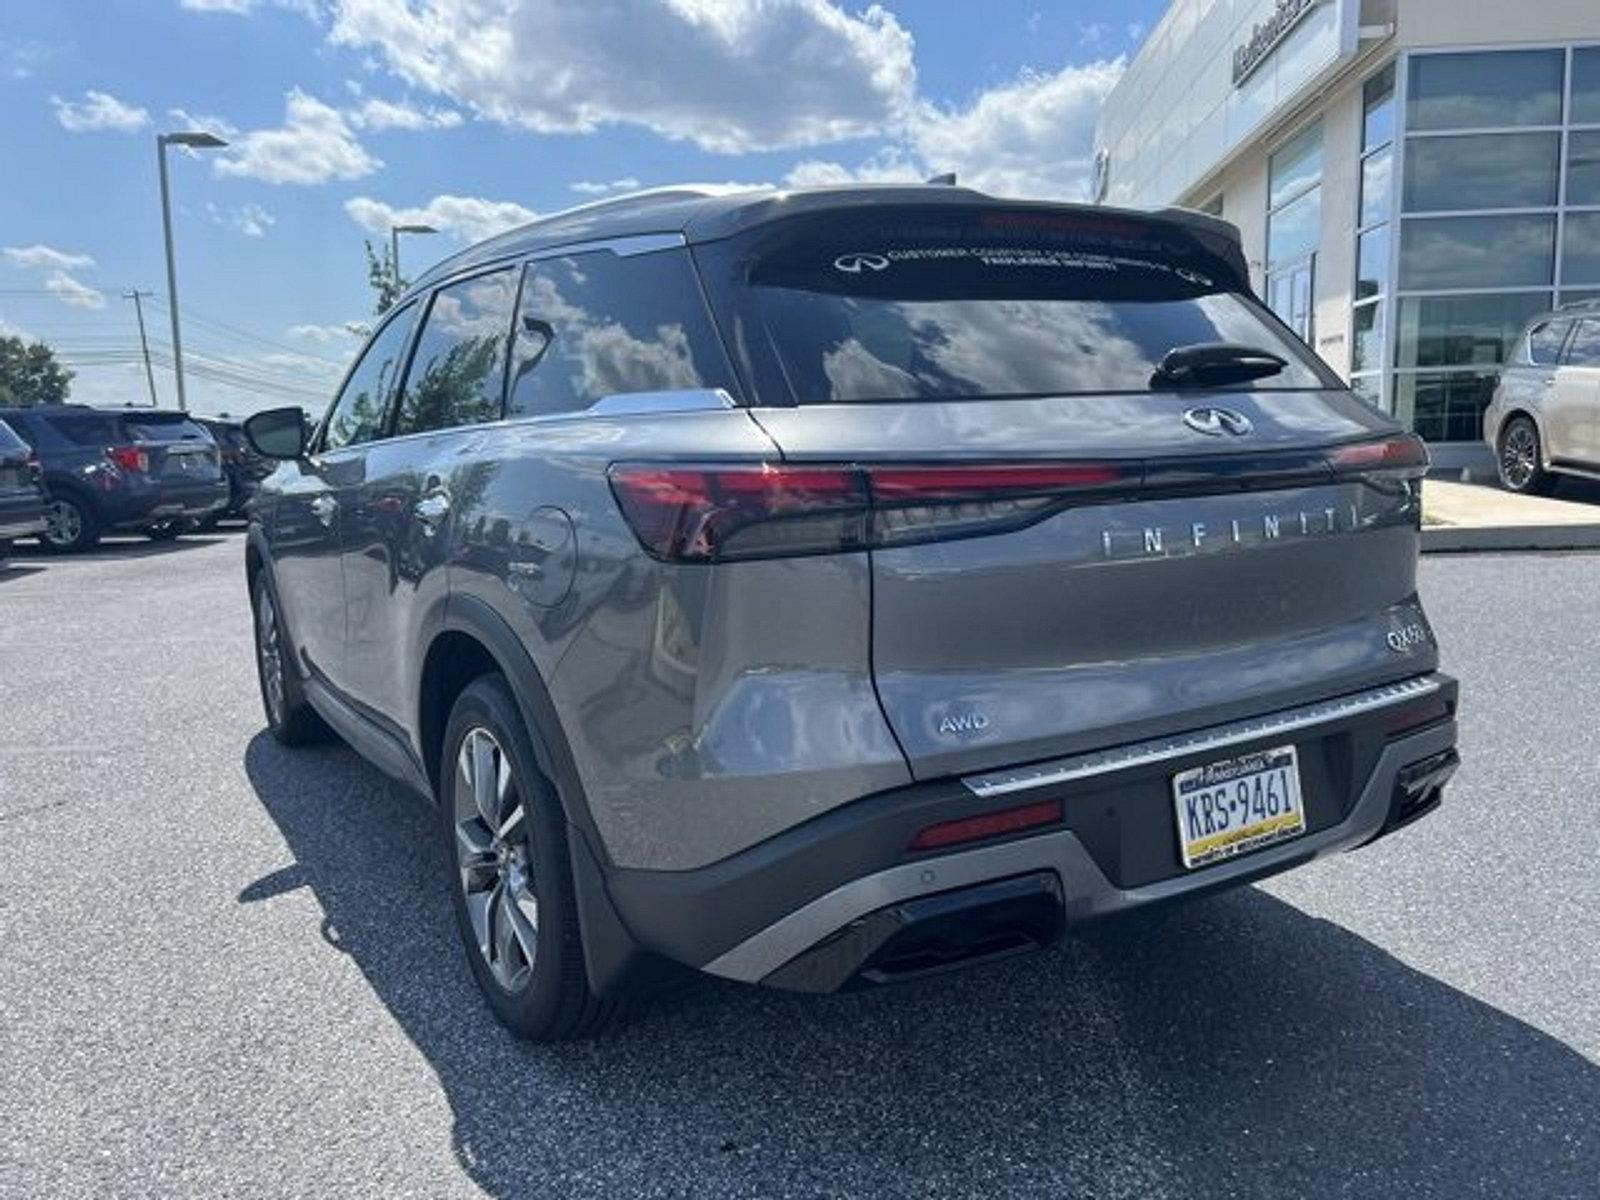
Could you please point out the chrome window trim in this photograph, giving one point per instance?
(1140, 754)
(644, 404)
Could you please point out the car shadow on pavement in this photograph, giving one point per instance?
(1231, 1047)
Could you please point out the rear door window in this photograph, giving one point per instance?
(457, 373)
(988, 303)
(1584, 348)
(88, 429)
(595, 325)
(1544, 343)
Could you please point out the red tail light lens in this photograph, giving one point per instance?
(129, 458)
(723, 513)
(1402, 452)
(973, 829)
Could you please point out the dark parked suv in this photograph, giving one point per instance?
(21, 490)
(828, 588)
(142, 470)
(244, 468)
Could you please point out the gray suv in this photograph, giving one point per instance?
(823, 589)
(1544, 419)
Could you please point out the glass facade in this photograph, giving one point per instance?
(1374, 206)
(1294, 227)
(1499, 219)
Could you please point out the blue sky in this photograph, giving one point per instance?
(471, 115)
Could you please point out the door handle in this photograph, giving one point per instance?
(431, 511)
(324, 508)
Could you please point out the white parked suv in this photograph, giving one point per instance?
(1544, 419)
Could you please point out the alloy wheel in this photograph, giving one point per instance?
(1519, 455)
(493, 859)
(63, 523)
(269, 650)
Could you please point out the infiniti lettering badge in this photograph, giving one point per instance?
(1214, 422)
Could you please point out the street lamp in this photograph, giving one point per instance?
(394, 245)
(195, 139)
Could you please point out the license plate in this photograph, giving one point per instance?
(1238, 805)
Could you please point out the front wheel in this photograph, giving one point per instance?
(1519, 461)
(512, 888)
(289, 715)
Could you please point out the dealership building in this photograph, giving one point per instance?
(1413, 179)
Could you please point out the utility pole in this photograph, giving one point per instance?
(138, 309)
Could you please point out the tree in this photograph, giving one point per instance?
(30, 374)
(383, 275)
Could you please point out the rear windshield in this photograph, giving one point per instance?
(88, 429)
(986, 308)
(153, 427)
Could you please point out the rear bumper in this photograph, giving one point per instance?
(21, 516)
(841, 901)
(126, 508)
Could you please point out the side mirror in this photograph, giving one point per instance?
(278, 433)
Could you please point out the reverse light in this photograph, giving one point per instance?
(129, 458)
(988, 825)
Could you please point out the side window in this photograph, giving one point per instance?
(594, 325)
(357, 414)
(457, 374)
(1584, 348)
(1544, 343)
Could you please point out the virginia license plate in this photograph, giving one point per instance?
(1238, 805)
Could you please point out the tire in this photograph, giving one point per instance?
(72, 526)
(1519, 459)
(290, 716)
(511, 886)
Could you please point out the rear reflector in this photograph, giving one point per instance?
(973, 829)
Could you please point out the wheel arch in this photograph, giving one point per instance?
(473, 639)
(1510, 415)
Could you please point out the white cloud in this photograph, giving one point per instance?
(1031, 137)
(469, 218)
(70, 291)
(183, 119)
(387, 114)
(314, 145)
(728, 75)
(249, 219)
(243, 8)
(593, 187)
(41, 257)
(326, 335)
(98, 111)
(887, 166)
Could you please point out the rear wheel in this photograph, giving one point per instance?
(1519, 461)
(290, 717)
(70, 525)
(512, 888)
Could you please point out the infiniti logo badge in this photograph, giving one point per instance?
(1214, 422)
(854, 264)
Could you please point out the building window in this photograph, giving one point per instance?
(1372, 237)
(1499, 201)
(1294, 228)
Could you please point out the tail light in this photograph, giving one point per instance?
(34, 467)
(1402, 452)
(765, 510)
(129, 458)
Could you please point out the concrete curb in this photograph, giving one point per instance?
(1453, 539)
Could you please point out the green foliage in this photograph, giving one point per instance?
(384, 277)
(30, 374)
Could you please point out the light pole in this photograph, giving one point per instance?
(394, 246)
(196, 139)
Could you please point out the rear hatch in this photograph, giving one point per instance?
(1071, 545)
(180, 452)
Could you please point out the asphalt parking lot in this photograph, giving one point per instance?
(229, 969)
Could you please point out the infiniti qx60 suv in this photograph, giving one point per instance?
(828, 588)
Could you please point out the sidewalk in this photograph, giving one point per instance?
(1464, 516)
